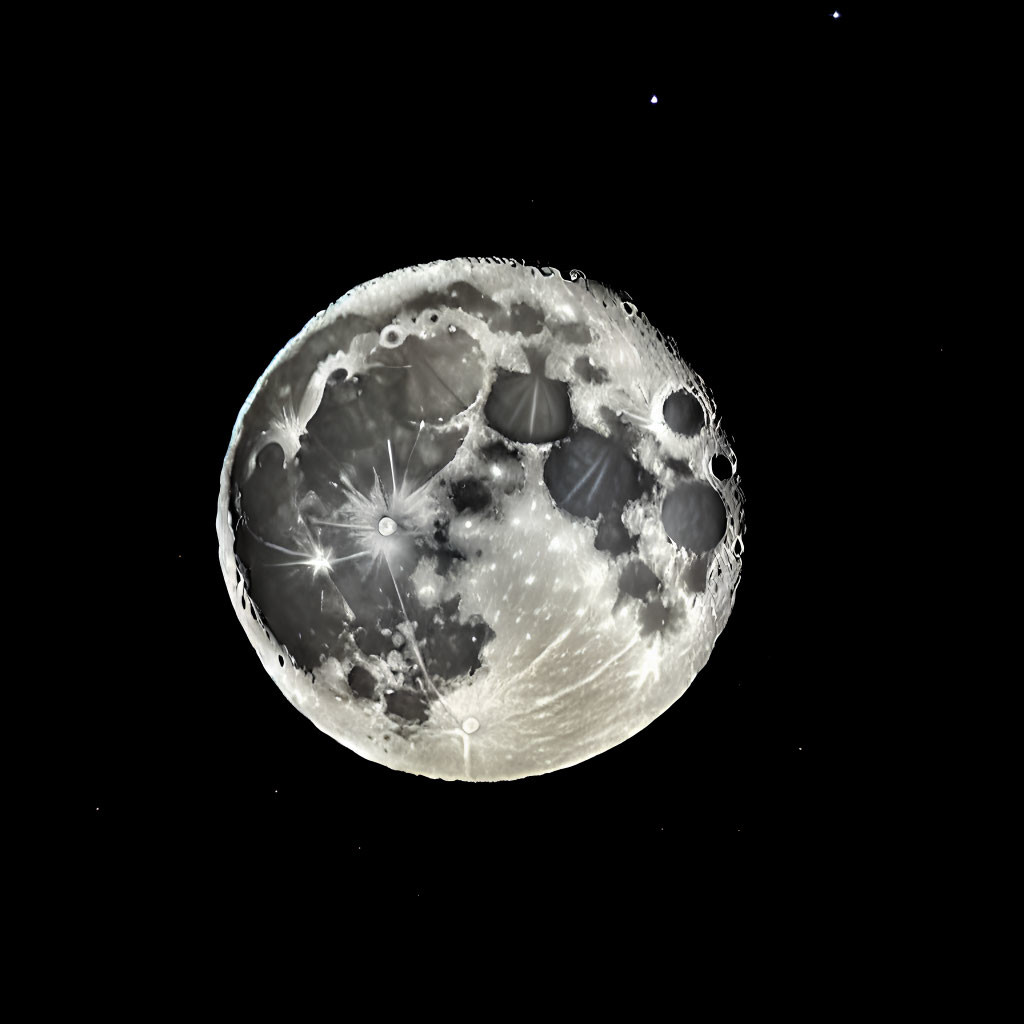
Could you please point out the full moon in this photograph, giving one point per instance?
(480, 521)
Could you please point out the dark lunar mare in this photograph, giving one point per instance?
(593, 477)
(281, 510)
(529, 407)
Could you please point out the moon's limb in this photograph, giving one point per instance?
(469, 522)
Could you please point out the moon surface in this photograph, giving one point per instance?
(480, 521)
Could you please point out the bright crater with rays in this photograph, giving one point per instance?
(480, 521)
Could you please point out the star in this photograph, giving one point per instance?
(654, 99)
(835, 14)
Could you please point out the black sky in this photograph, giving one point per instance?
(260, 174)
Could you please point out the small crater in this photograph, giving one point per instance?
(271, 457)
(694, 516)
(683, 413)
(361, 682)
(721, 467)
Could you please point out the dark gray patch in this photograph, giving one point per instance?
(612, 535)
(574, 334)
(470, 494)
(451, 648)
(695, 579)
(447, 559)
(521, 319)
(694, 516)
(637, 580)
(270, 457)
(588, 372)
(407, 704)
(680, 466)
(441, 531)
(654, 617)
(463, 295)
(460, 295)
(683, 413)
(445, 553)
(361, 682)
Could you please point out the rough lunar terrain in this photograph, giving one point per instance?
(469, 520)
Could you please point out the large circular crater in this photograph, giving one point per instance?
(469, 522)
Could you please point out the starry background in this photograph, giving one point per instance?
(265, 174)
